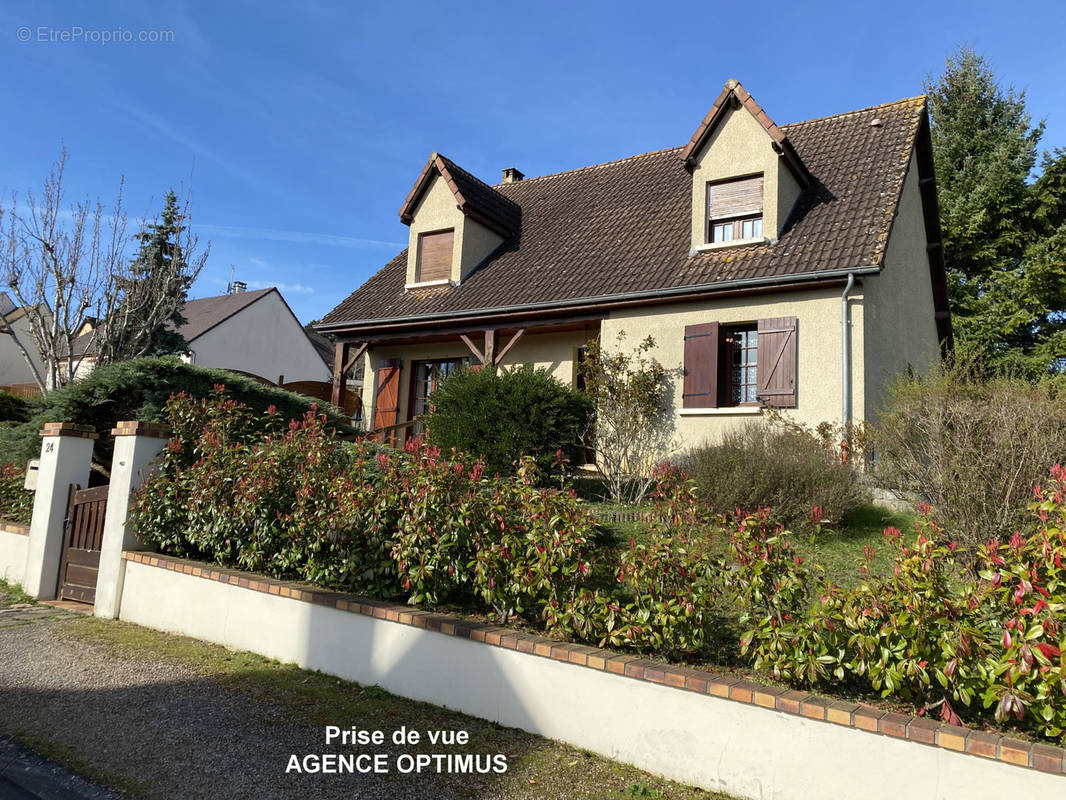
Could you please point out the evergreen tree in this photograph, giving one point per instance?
(1003, 235)
(154, 290)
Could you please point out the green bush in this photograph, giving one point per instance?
(139, 389)
(783, 468)
(12, 407)
(986, 644)
(500, 416)
(290, 499)
(16, 504)
(663, 590)
(973, 446)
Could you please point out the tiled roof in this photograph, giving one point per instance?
(625, 226)
(473, 196)
(200, 316)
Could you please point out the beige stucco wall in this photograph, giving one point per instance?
(900, 329)
(819, 353)
(554, 352)
(264, 339)
(739, 147)
(437, 211)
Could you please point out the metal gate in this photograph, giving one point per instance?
(83, 535)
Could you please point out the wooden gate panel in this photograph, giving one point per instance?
(83, 537)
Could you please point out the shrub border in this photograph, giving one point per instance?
(1040, 756)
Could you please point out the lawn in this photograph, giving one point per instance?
(839, 551)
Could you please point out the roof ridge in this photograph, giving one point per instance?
(843, 114)
(473, 177)
(901, 101)
(589, 167)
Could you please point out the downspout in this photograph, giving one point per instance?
(845, 367)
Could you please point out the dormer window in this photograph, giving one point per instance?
(435, 256)
(735, 209)
(457, 222)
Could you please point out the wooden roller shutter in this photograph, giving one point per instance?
(435, 256)
(735, 198)
(777, 361)
(701, 366)
(387, 397)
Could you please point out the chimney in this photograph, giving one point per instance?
(512, 174)
(238, 287)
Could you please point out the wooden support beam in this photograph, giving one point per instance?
(340, 377)
(473, 348)
(490, 348)
(354, 359)
(510, 343)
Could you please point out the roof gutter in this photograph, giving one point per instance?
(650, 294)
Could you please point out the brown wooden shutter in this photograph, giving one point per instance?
(435, 256)
(387, 399)
(701, 366)
(735, 198)
(777, 361)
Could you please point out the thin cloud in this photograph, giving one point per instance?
(303, 237)
(288, 288)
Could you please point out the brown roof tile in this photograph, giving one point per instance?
(624, 227)
(473, 196)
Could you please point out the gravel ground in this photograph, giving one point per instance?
(24, 775)
(168, 732)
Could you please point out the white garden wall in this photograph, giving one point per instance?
(572, 693)
(13, 543)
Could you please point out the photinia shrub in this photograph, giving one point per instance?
(16, 504)
(291, 500)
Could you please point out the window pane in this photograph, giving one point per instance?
(756, 227)
(748, 229)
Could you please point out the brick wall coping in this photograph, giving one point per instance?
(69, 429)
(154, 430)
(923, 730)
(11, 527)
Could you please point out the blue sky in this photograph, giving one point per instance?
(301, 127)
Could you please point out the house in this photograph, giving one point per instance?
(793, 266)
(254, 333)
(15, 374)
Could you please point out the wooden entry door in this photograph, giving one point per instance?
(83, 536)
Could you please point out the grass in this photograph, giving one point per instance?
(839, 551)
(11, 594)
(537, 767)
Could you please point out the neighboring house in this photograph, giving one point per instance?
(255, 333)
(795, 266)
(15, 373)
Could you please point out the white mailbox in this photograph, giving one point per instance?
(31, 474)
